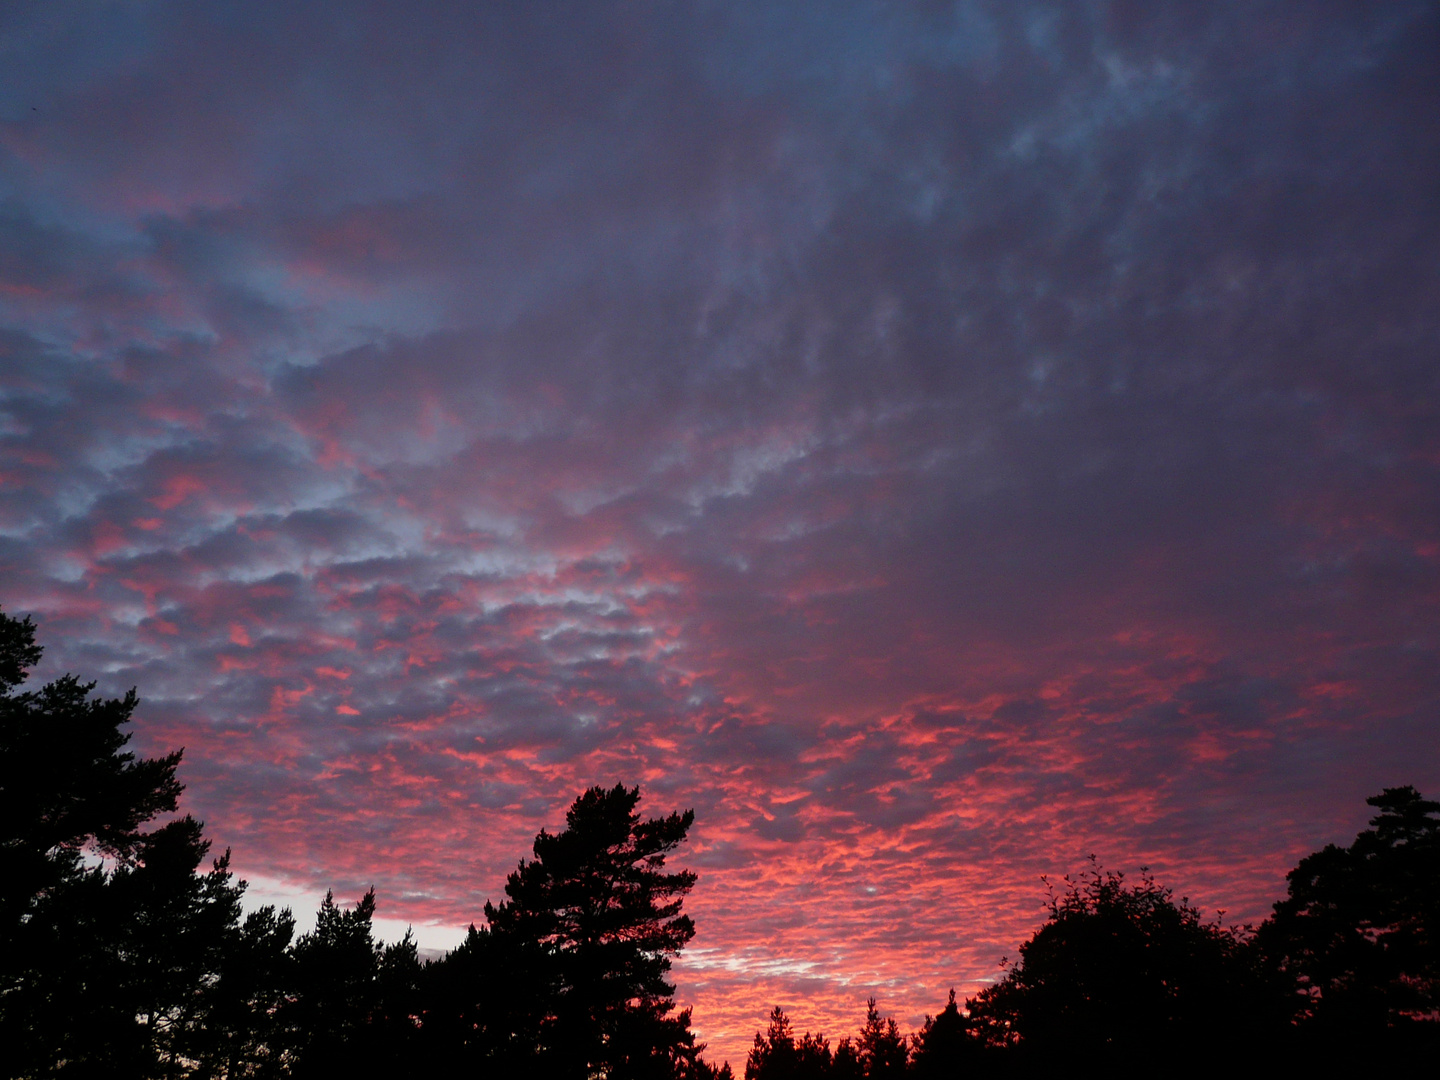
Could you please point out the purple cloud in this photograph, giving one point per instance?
(936, 444)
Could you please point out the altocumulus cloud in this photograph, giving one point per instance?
(934, 442)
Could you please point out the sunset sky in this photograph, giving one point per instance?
(936, 442)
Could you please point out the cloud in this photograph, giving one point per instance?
(934, 444)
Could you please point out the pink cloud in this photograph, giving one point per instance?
(927, 457)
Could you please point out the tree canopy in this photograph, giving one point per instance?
(1121, 968)
(778, 1055)
(101, 970)
(66, 779)
(597, 907)
(1359, 931)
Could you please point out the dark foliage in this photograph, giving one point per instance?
(946, 1045)
(353, 1004)
(602, 919)
(1124, 971)
(66, 781)
(777, 1056)
(246, 1034)
(879, 1052)
(477, 1020)
(1359, 932)
(881, 1048)
(106, 967)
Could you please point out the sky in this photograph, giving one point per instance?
(936, 442)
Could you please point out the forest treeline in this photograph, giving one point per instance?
(123, 954)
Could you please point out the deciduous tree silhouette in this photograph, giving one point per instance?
(1123, 971)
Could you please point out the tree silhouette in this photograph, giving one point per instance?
(777, 1056)
(773, 1055)
(1359, 930)
(878, 1053)
(945, 1045)
(485, 1004)
(66, 781)
(171, 930)
(106, 967)
(598, 908)
(881, 1048)
(355, 1001)
(246, 1033)
(845, 1065)
(123, 958)
(1123, 971)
